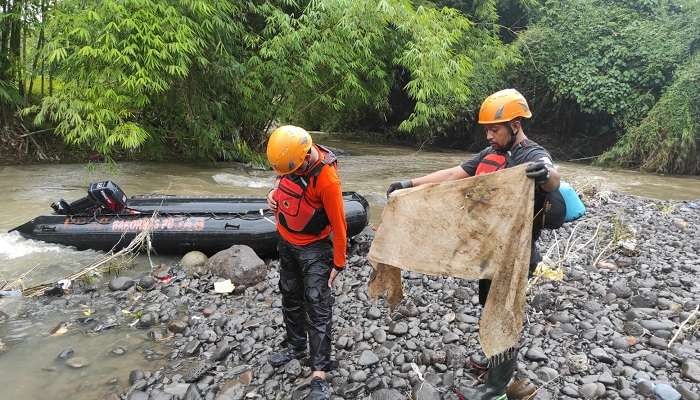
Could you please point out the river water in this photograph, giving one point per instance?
(29, 369)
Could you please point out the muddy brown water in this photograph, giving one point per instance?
(29, 369)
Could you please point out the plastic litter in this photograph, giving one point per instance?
(164, 279)
(64, 284)
(223, 287)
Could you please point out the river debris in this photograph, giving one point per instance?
(223, 287)
(60, 329)
(15, 284)
(112, 262)
(683, 324)
(77, 362)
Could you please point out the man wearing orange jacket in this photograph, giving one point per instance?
(308, 204)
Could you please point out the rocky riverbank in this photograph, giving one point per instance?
(603, 331)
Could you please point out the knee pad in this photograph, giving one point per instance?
(288, 286)
(313, 295)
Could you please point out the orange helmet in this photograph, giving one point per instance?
(503, 106)
(287, 148)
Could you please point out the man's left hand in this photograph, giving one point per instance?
(334, 274)
(538, 171)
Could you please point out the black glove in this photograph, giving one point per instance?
(537, 171)
(398, 185)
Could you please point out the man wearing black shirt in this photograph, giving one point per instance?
(501, 115)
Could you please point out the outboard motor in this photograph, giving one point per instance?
(108, 195)
(80, 206)
(61, 207)
(103, 195)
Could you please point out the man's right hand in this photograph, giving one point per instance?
(398, 185)
(270, 201)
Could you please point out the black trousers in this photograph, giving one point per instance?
(307, 301)
(485, 284)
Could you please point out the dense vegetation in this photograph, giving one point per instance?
(207, 78)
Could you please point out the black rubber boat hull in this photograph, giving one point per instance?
(182, 225)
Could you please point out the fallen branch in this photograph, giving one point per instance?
(35, 132)
(582, 158)
(603, 252)
(680, 328)
(39, 150)
(18, 282)
(568, 252)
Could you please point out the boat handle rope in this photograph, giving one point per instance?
(108, 218)
(267, 219)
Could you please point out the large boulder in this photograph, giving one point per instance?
(238, 263)
(121, 283)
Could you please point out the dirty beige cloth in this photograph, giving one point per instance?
(474, 228)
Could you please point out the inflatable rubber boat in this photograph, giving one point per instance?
(106, 219)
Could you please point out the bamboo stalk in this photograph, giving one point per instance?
(22, 85)
(35, 132)
(18, 281)
(39, 47)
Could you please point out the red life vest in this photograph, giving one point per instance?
(492, 162)
(295, 210)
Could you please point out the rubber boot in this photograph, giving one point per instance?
(501, 370)
(320, 390)
(283, 357)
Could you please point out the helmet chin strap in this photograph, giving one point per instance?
(310, 163)
(511, 142)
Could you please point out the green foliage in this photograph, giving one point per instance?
(440, 75)
(206, 78)
(478, 10)
(340, 55)
(668, 139)
(112, 56)
(436, 60)
(488, 10)
(13, 22)
(9, 95)
(611, 56)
